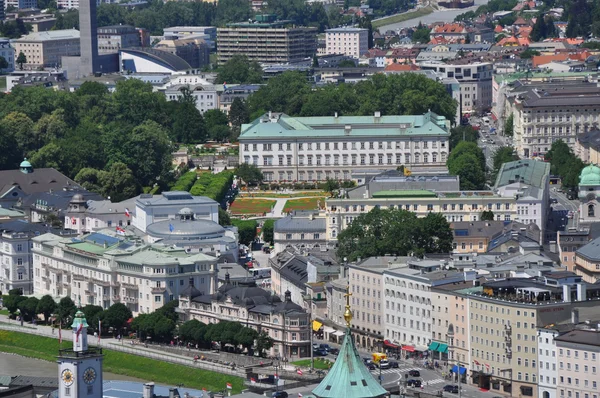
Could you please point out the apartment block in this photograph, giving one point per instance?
(353, 42)
(46, 49)
(113, 38)
(316, 148)
(266, 41)
(578, 359)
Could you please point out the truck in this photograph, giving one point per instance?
(378, 356)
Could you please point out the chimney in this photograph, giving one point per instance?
(227, 278)
(347, 129)
(575, 316)
(288, 295)
(172, 392)
(148, 390)
(581, 292)
(566, 293)
(377, 116)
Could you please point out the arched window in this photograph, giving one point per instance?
(591, 212)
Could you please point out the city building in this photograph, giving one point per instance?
(300, 231)
(46, 49)
(587, 259)
(208, 33)
(333, 322)
(85, 215)
(42, 206)
(195, 51)
(233, 91)
(206, 96)
(421, 194)
(568, 242)
(16, 260)
(40, 22)
(266, 41)
(315, 148)
(528, 182)
(578, 357)
(8, 53)
(20, 4)
(103, 268)
(450, 32)
(587, 147)
(545, 112)
(547, 359)
(149, 60)
(475, 81)
(589, 188)
(113, 38)
(353, 42)
(475, 236)
(285, 322)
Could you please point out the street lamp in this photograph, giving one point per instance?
(20, 316)
(450, 340)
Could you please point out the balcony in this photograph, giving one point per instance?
(91, 293)
(129, 285)
(77, 277)
(129, 299)
(159, 290)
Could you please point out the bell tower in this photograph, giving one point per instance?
(80, 368)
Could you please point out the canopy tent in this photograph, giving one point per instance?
(462, 370)
(338, 333)
(408, 348)
(433, 346)
(443, 348)
(328, 330)
(388, 343)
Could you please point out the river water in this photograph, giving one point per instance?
(436, 16)
(13, 365)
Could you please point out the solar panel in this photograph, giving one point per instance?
(101, 239)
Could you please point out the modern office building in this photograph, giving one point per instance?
(103, 268)
(45, 49)
(475, 81)
(287, 323)
(315, 148)
(353, 42)
(266, 41)
(113, 38)
(20, 4)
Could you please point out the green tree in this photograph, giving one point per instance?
(118, 183)
(188, 330)
(268, 231)
(3, 64)
(238, 114)
(13, 300)
(249, 173)
(487, 215)
(503, 155)
(93, 313)
(331, 186)
(246, 230)
(49, 128)
(263, 342)
(539, 29)
(467, 148)
(421, 34)
(245, 337)
(564, 163)
(472, 175)
(117, 315)
(65, 310)
(528, 54)
(224, 219)
(462, 133)
(217, 124)
(8, 159)
(169, 310)
(509, 125)
(21, 127)
(28, 308)
(21, 59)
(188, 124)
(46, 307)
(240, 70)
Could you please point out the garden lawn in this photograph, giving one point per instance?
(4, 312)
(251, 206)
(405, 16)
(324, 364)
(280, 195)
(124, 364)
(303, 204)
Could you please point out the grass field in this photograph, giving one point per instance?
(319, 363)
(120, 363)
(303, 204)
(421, 12)
(281, 195)
(4, 312)
(251, 206)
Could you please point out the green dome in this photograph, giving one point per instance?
(590, 178)
(25, 163)
(590, 169)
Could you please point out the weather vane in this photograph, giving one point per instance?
(348, 313)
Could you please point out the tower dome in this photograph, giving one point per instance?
(26, 167)
(590, 175)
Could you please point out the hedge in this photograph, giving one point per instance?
(214, 186)
(185, 182)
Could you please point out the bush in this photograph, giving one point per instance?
(214, 186)
(246, 230)
(185, 182)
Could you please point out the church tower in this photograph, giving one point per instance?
(80, 368)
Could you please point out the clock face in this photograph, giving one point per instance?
(67, 377)
(89, 376)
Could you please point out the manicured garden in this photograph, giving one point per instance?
(251, 206)
(124, 364)
(303, 204)
(320, 363)
(277, 194)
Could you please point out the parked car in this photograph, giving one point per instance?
(279, 394)
(334, 351)
(554, 200)
(371, 366)
(451, 388)
(394, 364)
(320, 352)
(315, 346)
(414, 383)
(414, 373)
(324, 347)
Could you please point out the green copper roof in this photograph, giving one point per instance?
(79, 318)
(349, 377)
(527, 171)
(284, 126)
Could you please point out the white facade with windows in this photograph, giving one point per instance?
(317, 148)
(206, 96)
(548, 372)
(353, 42)
(8, 53)
(16, 266)
(102, 269)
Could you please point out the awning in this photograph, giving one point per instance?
(408, 348)
(338, 333)
(433, 346)
(443, 348)
(462, 370)
(390, 344)
(317, 325)
(327, 329)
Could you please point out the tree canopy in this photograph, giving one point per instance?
(564, 163)
(394, 231)
(467, 161)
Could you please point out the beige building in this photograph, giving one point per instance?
(587, 261)
(587, 147)
(353, 42)
(266, 41)
(568, 242)
(46, 49)
(578, 361)
(475, 236)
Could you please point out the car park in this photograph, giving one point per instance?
(414, 373)
(451, 388)
(413, 383)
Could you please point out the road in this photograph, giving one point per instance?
(561, 210)
(489, 148)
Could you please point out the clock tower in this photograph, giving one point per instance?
(80, 368)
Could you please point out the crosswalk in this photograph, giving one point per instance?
(401, 370)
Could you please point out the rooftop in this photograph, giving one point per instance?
(346, 30)
(294, 223)
(526, 171)
(585, 337)
(173, 198)
(571, 93)
(50, 35)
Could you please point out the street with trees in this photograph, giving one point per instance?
(396, 232)
(564, 163)
(462, 133)
(467, 161)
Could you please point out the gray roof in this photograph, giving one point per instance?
(526, 171)
(591, 251)
(173, 198)
(557, 94)
(108, 207)
(41, 180)
(50, 35)
(36, 381)
(172, 61)
(293, 223)
(185, 229)
(589, 139)
(489, 229)
(586, 337)
(393, 180)
(24, 226)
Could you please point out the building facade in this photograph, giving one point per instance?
(194, 51)
(45, 49)
(266, 42)
(8, 53)
(353, 42)
(206, 96)
(113, 38)
(547, 359)
(103, 269)
(316, 148)
(578, 359)
(300, 232)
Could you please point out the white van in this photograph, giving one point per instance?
(261, 273)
